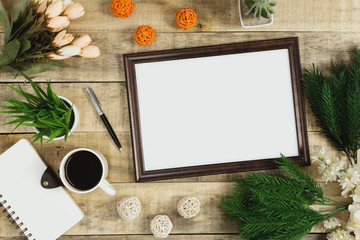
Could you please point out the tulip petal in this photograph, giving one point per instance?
(90, 51)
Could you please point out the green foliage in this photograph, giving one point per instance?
(335, 101)
(276, 207)
(27, 41)
(44, 110)
(260, 8)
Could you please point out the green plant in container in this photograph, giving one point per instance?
(51, 116)
(260, 8)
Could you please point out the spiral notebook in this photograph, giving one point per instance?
(39, 213)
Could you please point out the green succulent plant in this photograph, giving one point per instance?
(260, 8)
(44, 111)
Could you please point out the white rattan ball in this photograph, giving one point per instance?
(129, 208)
(189, 207)
(161, 226)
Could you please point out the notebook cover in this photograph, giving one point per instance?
(46, 213)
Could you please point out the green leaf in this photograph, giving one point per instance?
(55, 134)
(25, 45)
(9, 69)
(38, 68)
(10, 52)
(37, 125)
(20, 8)
(50, 123)
(68, 116)
(4, 19)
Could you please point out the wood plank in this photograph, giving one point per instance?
(114, 102)
(171, 237)
(101, 216)
(307, 15)
(111, 95)
(319, 48)
(121, 163)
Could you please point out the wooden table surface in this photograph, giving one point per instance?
(327, 30)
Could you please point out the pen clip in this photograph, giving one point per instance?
(95, 100)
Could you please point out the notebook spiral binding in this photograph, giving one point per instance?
(16, 220)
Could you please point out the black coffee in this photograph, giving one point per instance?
(83, 170)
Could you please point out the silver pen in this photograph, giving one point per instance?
(97, 105)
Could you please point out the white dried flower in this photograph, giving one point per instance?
(349, 179)
(332, 223)
(353, 223)
(332, 170)
(340, 235)
(356, 195)
(322, 167)
(322, 155)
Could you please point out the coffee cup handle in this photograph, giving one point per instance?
(107, 187)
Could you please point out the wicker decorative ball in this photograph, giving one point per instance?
(185, 18)
(122, 8)
(129, 208)
(189, 207)
(161, 226)
(144, 35)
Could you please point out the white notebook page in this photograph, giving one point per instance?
(46, 213)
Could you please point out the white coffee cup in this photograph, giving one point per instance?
(103, 184)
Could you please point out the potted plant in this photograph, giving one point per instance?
(256, 13)
(53, 117)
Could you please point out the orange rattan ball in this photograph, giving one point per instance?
(122, 8)
(144, 35)
(185, 18)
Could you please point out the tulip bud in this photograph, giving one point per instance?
(74, 11)
(69, 50)
(40, 9)
(67, 2)
(82, 41)
(57, 24)
(62, 39)
(54, 9)
(90, 52)
(54, 56)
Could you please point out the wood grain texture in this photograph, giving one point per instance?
(112, 96)
(121, 164)
(101, 216)
(319, 48)
(171, 237)
(220, 16)
(114, 103)
(327, 30)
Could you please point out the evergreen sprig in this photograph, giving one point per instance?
(277, 207)
(335, 101)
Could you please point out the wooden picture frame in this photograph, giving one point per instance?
(216, 109)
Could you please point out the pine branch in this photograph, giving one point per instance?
(293, 171)
(335, 101)
(275, 207)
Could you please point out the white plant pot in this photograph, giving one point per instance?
(76, 119)
(242, 21)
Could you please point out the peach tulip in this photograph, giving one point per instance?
(57, 24)
(90, 51)
(62, 39)
(41, 7)
(54, 9)
(67, 2)
(74, 11)
(69, 50)
(82, 41)
(54, 56)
